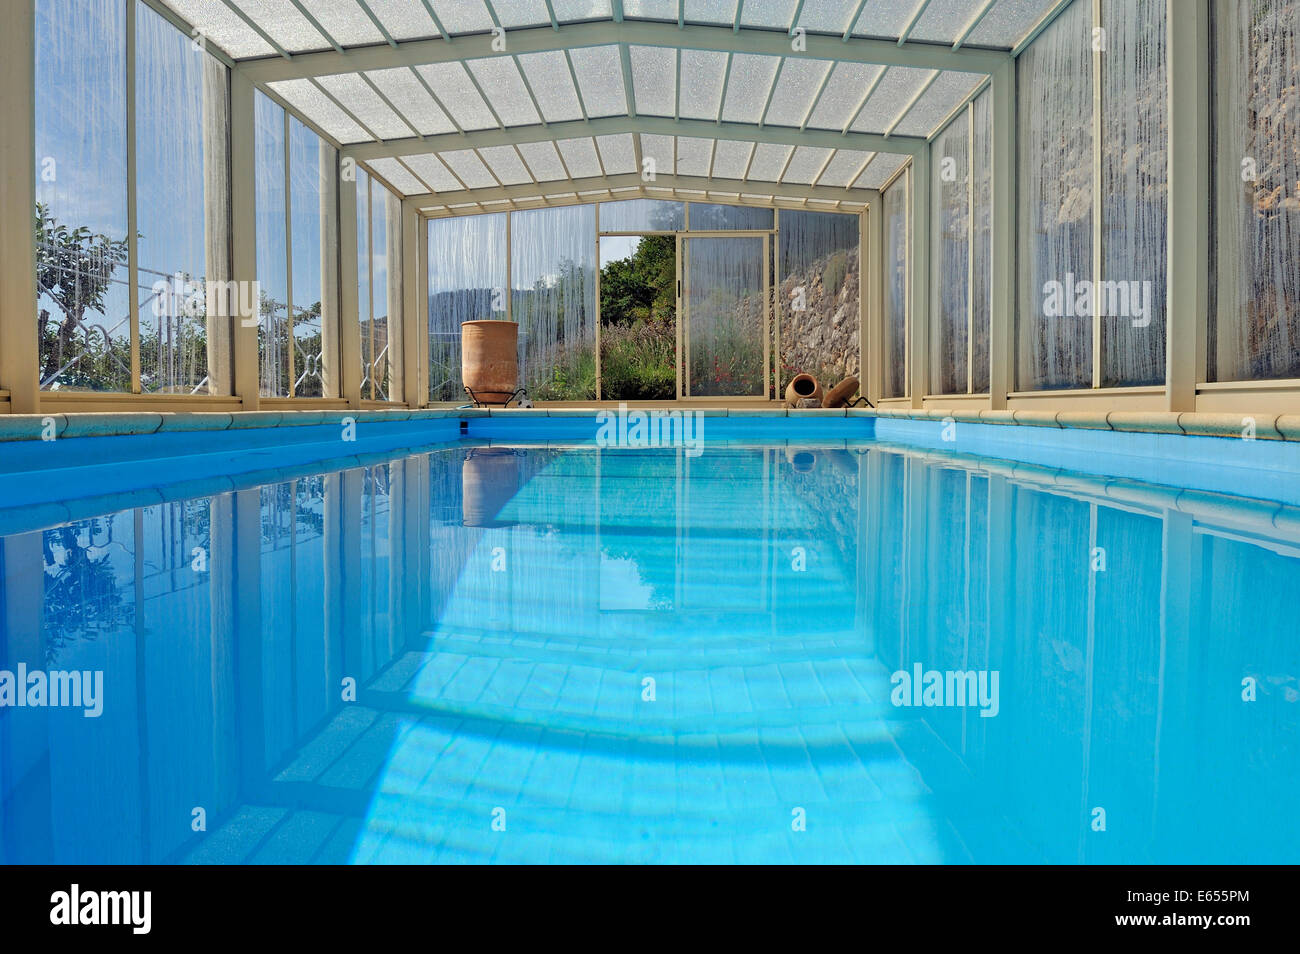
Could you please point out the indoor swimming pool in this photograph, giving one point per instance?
(532, 648)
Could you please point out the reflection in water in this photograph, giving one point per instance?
(638, 655)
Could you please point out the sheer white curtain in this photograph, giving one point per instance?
(898, 210)
(1255, 276)
(467, 282)
(981, 238)
(950, 256)
(1056, 195)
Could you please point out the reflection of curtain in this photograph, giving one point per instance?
(1055, 135)
(1134, 182)
(1255, 283)
(950, 255)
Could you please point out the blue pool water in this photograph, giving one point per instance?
(562, 653)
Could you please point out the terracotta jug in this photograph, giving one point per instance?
(489, 359)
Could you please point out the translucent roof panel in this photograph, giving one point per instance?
(1008, 22)
(543, 161)
(694, 156)
(654, 79)
(505, 164)
(469, 168)
(703, 73)
(937, 103)
(223, 26)
(600, 80)
(521, 13)
(309, 100)
(710, 11)
(548, 76)
(770, 14)
(430, 168)
(769, 159)
(891, 95)
(747, 87)
(344, 21)
(827, 16)
(404, 89)
(883, 18)
(360, 99)
(463, 16)
(285, 24)
(650, 9)
(499, 79)
(660, 150)
(796, 88)
(805, 164)
(842, 96)
(617, 154)
(579, 157)
(944, 20)
(570, 11)
(403, 19)
(731, 159)
(398, 176)
(455, 90)
(880, 171)
(844, 168)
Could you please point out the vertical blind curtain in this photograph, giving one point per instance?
(894, 324)
(1134, 189)
(553, 287)
(981, 239)
(950, 256)
(467, 282)
(819, 296)
(1055, 137)
(1255, 273)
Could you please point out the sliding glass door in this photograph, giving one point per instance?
(725, 341)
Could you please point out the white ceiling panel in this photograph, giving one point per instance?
(881, 170)
(844, 168)
(827, 16)
(731, 158)
(843, 94)
(660, 149)
(937, 103)
(543, 161)
(654, 79)
(650, 9)
(617, 154)
(405, 91)
(463, 16)
(892, 94)
(505, 164)
(521, 13)
(398, 176)
(693, 156)
(795, 90)
(469, 168)
(806, 162)
(499, 79)
(344, 21)
(769, 14)
(309, 100)
(223, 26)
(769, 160)
(403, 19)
(358, 98)
(455, 90)
(944, 20)
(747, 87)
(572, 11)
(883, 18)
(703, 75)
(600, 80)
(548, 75)
(579, 157)
(430, 168)
(1008, 22)
(285, 24)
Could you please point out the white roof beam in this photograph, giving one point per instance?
(649, 125)
(643, 33)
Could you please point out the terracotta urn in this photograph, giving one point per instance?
(489, 359)
(801, 387)
(839, 395)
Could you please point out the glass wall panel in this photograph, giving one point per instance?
(1255, 273)
(183, 216)
(981, 238)
(467, 282)
(642, 215)
(83, 304)
(1134, 180)
(379, 234)
(1054, 346)
(950, 257)
(364, 306)
(313, 202)
(553, 287)
(272, 239)
(819, 296)
(897, 229)
(706, 216)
